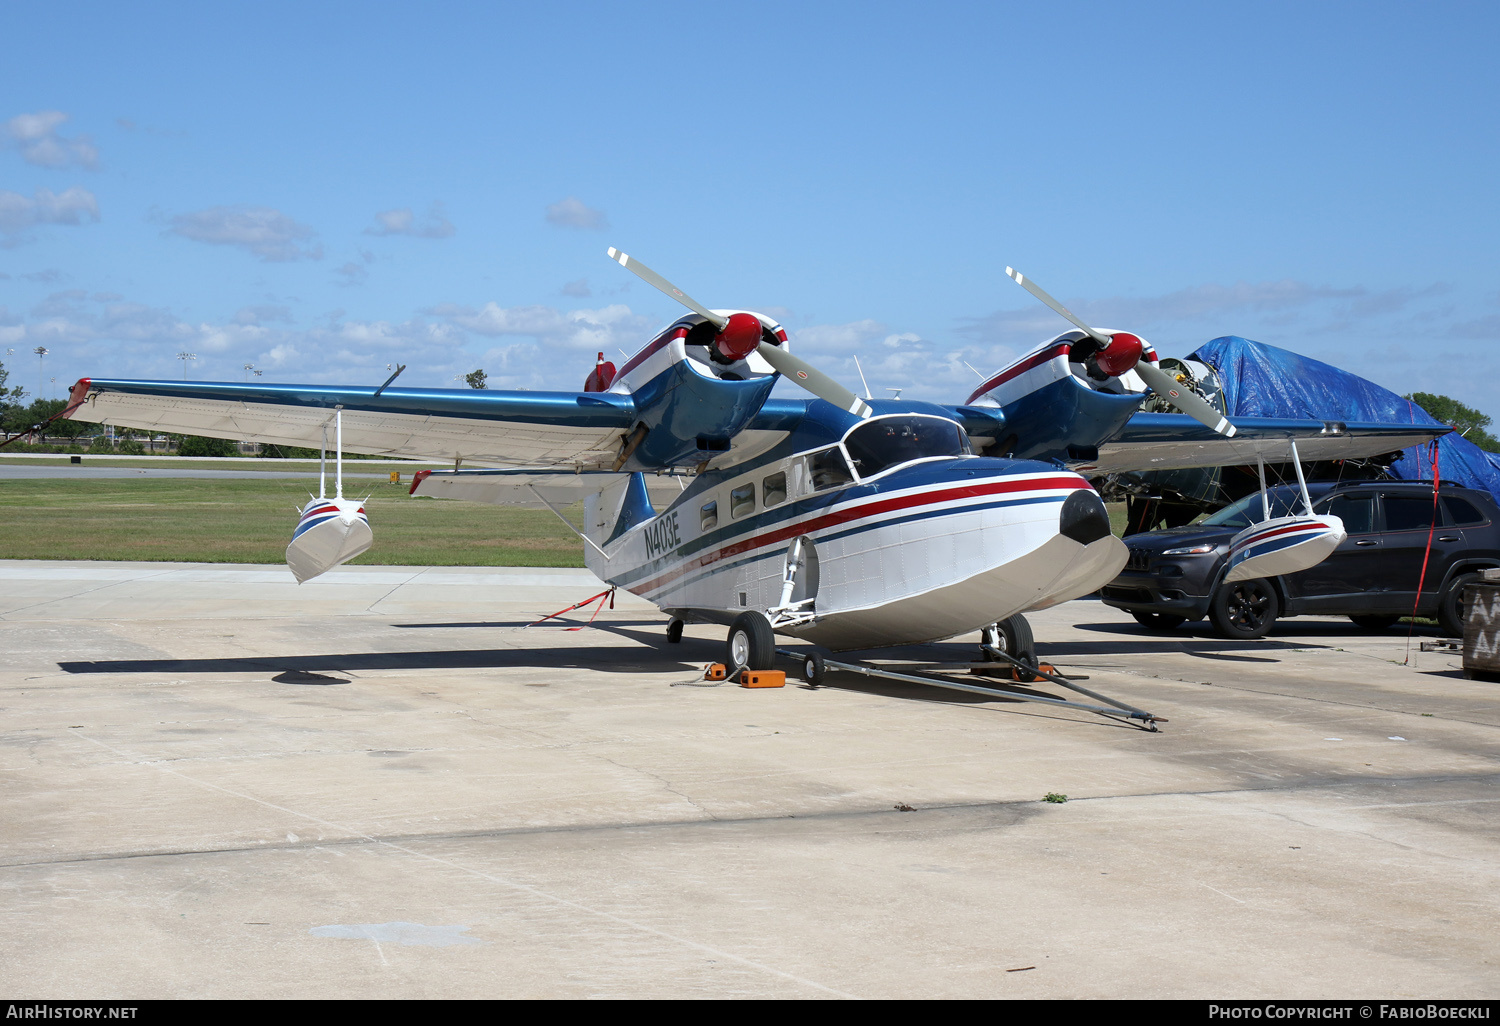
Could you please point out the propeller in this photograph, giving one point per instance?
(740, 335)
(1122, 352)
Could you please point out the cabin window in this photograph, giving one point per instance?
(742, 501)
(773, 489)
(890, 441)
(829, 469)
(709, 516)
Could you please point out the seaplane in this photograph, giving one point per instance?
(845, 521)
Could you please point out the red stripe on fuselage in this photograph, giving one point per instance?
(654, 347)
(868, 509)
(1021, 368)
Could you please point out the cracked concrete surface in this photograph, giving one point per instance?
(216, 784)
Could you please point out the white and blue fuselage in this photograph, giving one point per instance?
(861, 533)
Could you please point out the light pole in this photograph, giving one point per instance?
(185, 357)
(248, 368)
(41, 362)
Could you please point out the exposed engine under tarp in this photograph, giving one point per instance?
(1263, 381)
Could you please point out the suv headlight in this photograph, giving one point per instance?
(1191, 550)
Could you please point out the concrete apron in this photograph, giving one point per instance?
(219, 784)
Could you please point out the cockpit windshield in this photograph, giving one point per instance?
(888, 441)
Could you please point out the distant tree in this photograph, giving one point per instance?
(1466, 420)
(101, 444)
(193, 445)
(10, 399)
(477, 379)
(24, 418)
(131, 447)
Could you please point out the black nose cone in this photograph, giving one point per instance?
(1083, 517)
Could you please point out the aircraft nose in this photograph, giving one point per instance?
(1083, 517)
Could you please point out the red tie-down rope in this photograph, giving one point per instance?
(1426, 555)
(608, 593)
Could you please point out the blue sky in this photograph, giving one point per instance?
(321, 189)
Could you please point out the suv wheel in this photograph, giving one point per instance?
(1244, 609)
(1158, 621)
(1373, 622)
(1450, 615)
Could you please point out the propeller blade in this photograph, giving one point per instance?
(1166, 386)
(815, 381)
(1162, 383)
(1027, 284)
(650, 277)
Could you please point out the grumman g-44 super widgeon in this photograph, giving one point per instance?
(849, 522)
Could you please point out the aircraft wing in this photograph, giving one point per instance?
(530, 489)
(534, 429)
(1171, 441)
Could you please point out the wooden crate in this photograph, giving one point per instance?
(1482, 631)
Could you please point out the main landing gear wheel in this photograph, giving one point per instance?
(751, 645)
(814, 669)
(1013, 637)
(674, 632)
(1244, 609)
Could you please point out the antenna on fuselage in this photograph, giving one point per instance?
(862, 380)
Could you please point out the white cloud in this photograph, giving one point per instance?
(35, 135)
(571, 213)
(404, 222)
(263, 231)
(18, 213)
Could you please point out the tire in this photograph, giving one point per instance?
(814, 669)
(751, 644)
(674, 632)
(1244, 609)
(1450, 615)
(1158, 621)
(1373, 622)
(1016, 640)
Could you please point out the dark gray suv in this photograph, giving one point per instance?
(1177, 575)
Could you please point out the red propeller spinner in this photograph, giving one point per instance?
(1121, 355)
(739, 338)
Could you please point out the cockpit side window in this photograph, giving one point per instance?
(829, 469)
(889, 441)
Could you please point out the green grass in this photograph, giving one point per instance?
(240, 521)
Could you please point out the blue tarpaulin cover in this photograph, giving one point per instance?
(1263, 381)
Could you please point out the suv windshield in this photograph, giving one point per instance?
(887, 441)
(1285, 502)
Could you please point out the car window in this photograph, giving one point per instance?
(1463, 511)
(1251, 509)
(1356, 511)
(1408, 512)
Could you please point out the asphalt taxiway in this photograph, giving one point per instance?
(217, 783)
